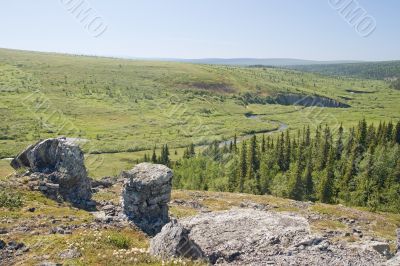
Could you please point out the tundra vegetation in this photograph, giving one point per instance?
(221, 128)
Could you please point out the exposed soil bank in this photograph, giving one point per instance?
(308, 100)
(360, 92)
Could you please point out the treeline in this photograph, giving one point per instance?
(396, 84)
(358, 167)
(368, 70)
(163, 158)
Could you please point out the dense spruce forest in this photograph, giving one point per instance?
(359, 166)
(367, 70)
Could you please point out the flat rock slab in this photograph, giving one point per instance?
(252, 237)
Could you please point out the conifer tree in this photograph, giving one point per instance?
(235, 143)
(339, 144)
(326, 188)
(295, 182)
(396, 135)
(263, 144)
(323, 156)
(192, 152)
(280, 155)
(308, 137)
(308, 180)
(242, 166)
(287, 153)
(389, 132)
(154, 156)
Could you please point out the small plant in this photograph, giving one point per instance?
(10, 200)
(119, 241)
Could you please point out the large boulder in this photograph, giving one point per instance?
(252, 237)
(146, 193)
(58, 167)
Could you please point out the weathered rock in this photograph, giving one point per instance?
(398, 240)
(395, 261)
(253, 237)
(70, 254)
(105, 182)
(381, 247)
(58, 165)
(146, 193)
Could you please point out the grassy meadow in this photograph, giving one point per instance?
(121, 109)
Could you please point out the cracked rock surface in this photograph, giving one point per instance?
(253, 237)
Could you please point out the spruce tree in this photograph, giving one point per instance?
(192, 152)
(287, 152)
(389, 132)
(296, 190)
(396, 135)
(235, 143)
(154, 156)
(242, 166)
(339, 144)
(263, 147)
(308, 180)
(280, 152)
(326, 187)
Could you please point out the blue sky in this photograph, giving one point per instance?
(308, 29)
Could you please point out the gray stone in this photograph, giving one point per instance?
(395, 261)
(173, 241)
(146, 192)
(70, 254)
(253, 237)
(59, 165)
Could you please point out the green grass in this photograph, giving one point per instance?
(123, 107)
(119, 241)
(10, 200)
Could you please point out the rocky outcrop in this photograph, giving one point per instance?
(146, 193)
(252, 237)
(57, 169)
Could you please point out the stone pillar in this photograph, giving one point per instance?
(146, 193)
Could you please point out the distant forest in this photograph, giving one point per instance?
(357, 167)
(371, 70)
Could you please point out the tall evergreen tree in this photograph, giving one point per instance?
(396, 135)
(296, 188)
(154, 156)
(242, 166)
(287, 153)
(326, 187)
(339, 144)
(280, 152)
(308, 180)
(235, 143)
(263, 144)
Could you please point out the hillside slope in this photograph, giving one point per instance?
(59, 233)
(123, 108)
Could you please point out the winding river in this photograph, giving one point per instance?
(281, 127)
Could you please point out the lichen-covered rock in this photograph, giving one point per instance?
(58, 169)
(173, 241)
(146, 193)
(253, 237)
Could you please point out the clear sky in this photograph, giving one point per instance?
(306, 29)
